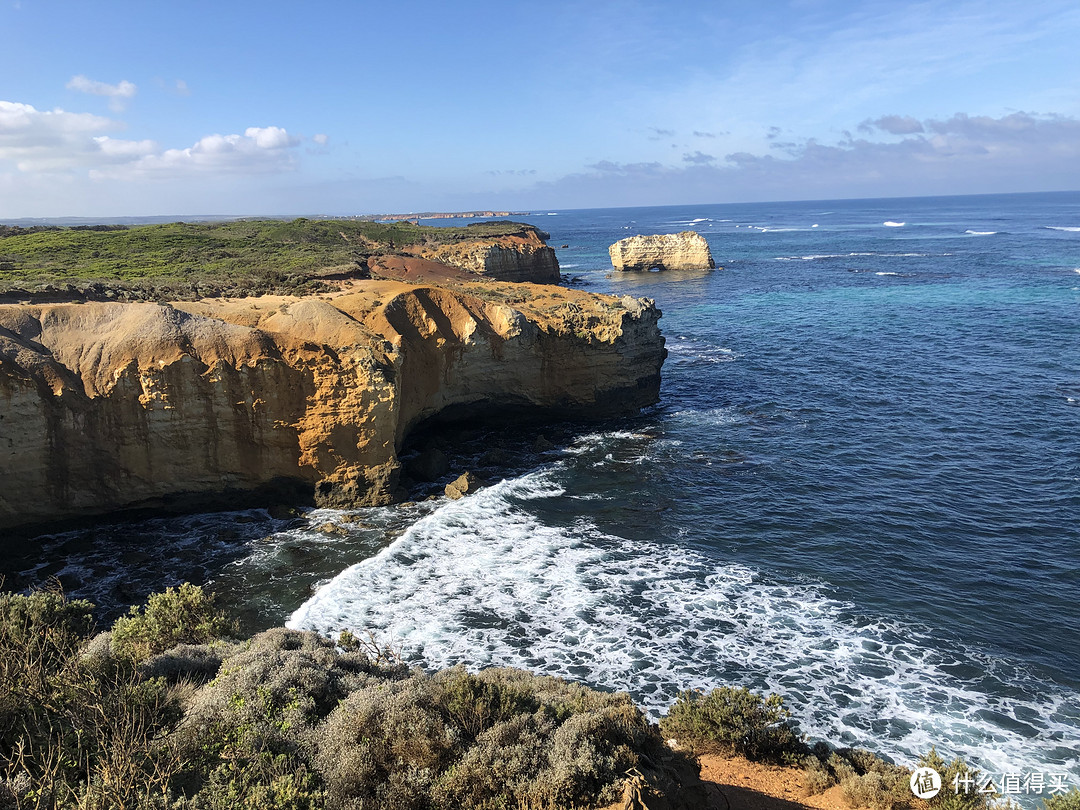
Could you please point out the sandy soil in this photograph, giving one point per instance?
(738, 784)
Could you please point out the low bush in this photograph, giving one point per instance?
(75, 730)
(730, 720)
(1063, 801)
(865, 779)
(952, 795)
(184, 615)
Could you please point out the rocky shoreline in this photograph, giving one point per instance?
(113, 406)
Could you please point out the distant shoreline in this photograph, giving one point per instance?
(191, 218)
(438, 215)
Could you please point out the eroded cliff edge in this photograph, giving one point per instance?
(111, 406)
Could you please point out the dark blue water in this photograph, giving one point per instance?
(861, 489)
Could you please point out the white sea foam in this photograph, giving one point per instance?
(818, 256)
(563, 266)
(686, 350)
(1076, 269)
(1070, 229)
(980, 233)
(885, 273)
(891, 224)
(482, 581)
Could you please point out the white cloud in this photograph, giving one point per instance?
(260, 150)
(48, 140)
(270, 137)
(118, 94)
(53, 141)
(182, 88)
(321, 139)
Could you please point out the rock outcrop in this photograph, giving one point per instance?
(110, 406)
(518, 257)
(679, 251)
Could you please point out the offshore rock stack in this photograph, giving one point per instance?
(679, 251)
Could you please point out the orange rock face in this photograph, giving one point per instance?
(111, 406)
(520, 257)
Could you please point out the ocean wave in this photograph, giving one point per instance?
(980, 233)
(890, 224)
(1070, 229)
(484, 582)
(819, 256)
(684, 350)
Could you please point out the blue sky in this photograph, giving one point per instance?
(136, 108)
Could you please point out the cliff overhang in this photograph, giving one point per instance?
(106, 407)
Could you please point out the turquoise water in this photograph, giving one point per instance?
(860, 489)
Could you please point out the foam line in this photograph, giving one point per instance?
(483, 581)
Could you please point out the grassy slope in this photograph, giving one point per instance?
(180, 259)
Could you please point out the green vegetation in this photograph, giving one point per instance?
(165, 712)
(183, 615)
(732, 720)
(1064, 801)
(865, 780)
(183, 260)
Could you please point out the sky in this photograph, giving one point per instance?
(333, 107)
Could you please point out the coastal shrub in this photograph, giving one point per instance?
(816, 777)
(193, 663)
(184, 615)
(730, 720)
(865, 779)
(75, 730)
(384, 745)
(951, 774)
(1063, 801)
(292, 720)
(475, 704)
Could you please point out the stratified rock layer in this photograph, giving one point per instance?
(518, 257)
(679, 251)
(109, 406)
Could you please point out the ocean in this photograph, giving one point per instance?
(860, 489)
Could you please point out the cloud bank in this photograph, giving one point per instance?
(895, 155)
(37, 141)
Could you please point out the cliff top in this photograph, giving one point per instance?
(184, 261)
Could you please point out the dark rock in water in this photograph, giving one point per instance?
(282, 512)
(496, 457)
(428, 465)
(542, 445)
(462, 486)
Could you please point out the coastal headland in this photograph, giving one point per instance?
(307, 388)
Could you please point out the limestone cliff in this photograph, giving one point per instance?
(679, 251)
(106, 406)
(518, 257)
